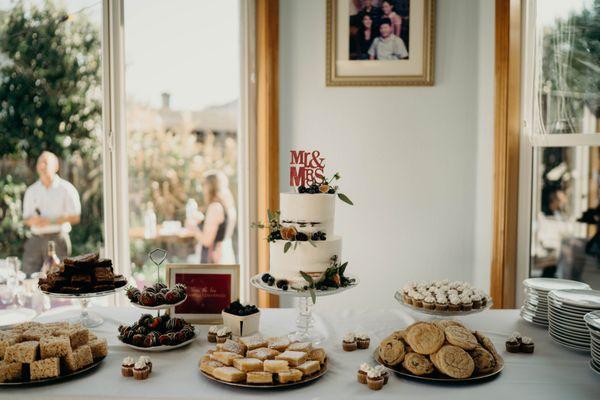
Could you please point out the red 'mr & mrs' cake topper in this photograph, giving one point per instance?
(306, 168)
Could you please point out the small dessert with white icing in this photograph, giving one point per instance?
(349, 342)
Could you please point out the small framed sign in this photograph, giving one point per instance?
(210, 288)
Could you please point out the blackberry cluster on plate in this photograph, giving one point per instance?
(237, 308)
(270, 280)
(290, 233)
(157, 294)
(151, 331)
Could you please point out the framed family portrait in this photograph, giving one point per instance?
(210, 288)
(380, 42)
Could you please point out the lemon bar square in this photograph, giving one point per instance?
(300, 346)
(248, 364)
(209, 366)
(225, 357)
(294, 358)
(253, 342)
(259, 377)
(275, 365)
(232, 346)
(318, 354)
(262, 353)
(229, 374)
(46, 368)
(278, 343)
(309, 367)
(293, 375)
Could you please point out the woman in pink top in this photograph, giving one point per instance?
(388, 12)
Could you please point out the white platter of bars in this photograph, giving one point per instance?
(535, 305)
(593, 324)
(566, 315)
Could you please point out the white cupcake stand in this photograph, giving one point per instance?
(305, 331)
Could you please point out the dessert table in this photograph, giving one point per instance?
(552, 372)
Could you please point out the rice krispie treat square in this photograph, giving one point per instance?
(83, 356)
(99, 347)
(35, 334)
(46, 368)
(7, 339)
(24, 352)
(77, 335)
(54, 346)
(69, 362)
(22, 327)
(10, 371)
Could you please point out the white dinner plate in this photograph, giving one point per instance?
(572, 337)
(547, 284)
(534, 310)
(593, 319)
(595, 354)
(585, 299)
(566, 318)
(594, 367)
(13, 316)
(569, 345)
(569, 308)
(575, 331)
(568, 339)
(534, 320)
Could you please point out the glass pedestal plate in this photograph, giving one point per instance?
(85, 318)
(305, 324)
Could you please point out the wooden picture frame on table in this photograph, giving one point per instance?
(210, 288)
(404, 58)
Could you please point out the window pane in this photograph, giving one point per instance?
(567, 67)
(565, 214)
(50, 100)
(182, 86)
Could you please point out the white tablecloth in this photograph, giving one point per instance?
(553, 372)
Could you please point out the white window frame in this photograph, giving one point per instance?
(530, 141)
(116, 187)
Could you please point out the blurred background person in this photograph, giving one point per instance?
(217, 225)
(50, 207)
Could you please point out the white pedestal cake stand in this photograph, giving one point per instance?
(305, 322)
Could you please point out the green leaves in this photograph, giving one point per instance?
(287, 246)
(342, 268)
(311, 286)
(345, 198)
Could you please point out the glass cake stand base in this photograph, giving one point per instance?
(305, 330)
(86, 318)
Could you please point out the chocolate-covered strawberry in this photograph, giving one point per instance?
(148, 298)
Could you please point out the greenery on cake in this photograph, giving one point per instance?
(332, 278)
(290, 234)
(326, 186)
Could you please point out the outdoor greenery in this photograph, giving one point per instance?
(49, 100)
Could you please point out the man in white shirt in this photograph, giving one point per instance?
(51, 205)
(388, 46)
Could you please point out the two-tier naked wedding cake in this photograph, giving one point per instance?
(301, 235)
(311, 215)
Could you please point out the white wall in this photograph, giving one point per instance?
(408, 156)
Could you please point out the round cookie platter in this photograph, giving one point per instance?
(277, 385)
(56, 379)
(439, 313)
(442, 351)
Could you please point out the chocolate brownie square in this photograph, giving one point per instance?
(82, 259)
(80, 280)
(69, 290)
(103, 288)
(103, 275)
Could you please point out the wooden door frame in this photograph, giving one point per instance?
(267, 127)
(507, 132)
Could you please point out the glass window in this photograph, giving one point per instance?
(182, 61)
(565, 202)
(567, 64)
(51, 176)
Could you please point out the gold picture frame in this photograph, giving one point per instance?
(425, 63)
(210, 288)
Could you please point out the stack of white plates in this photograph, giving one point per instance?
(593, 323)
(566, 311)
(535, 305)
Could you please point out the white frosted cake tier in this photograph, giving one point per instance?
(308, 208)
(305, 258)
